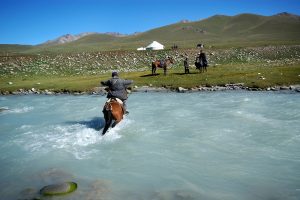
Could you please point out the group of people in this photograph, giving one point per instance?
(200, 63)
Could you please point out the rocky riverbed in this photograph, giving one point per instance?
(102, 90)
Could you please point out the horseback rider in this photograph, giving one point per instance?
(117, 88)
(201, 61)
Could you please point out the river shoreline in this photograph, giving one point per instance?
(102, 90)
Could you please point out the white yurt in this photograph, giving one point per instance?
(155, 46)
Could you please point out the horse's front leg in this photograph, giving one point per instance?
(165, 70)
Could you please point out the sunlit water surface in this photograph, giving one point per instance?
(211, 146)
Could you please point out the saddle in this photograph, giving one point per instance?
(108, 107)
(115, 99)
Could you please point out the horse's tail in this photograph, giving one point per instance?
(197, 64)
(107, 111)
(108, 120)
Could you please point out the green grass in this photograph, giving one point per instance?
(259, 67)
(221, 75)
(55, 83)
(250, 75)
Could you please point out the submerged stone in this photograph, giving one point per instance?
(3, 109)
(59, 189)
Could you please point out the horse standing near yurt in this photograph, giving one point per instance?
(161, 64)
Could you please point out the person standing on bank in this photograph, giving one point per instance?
(186, 65)
(117, 88)
(203, 60)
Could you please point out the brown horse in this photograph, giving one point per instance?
(161, 64)
(113, 111)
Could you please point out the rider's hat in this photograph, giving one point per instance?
(114, 74)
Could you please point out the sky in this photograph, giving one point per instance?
(36, 21)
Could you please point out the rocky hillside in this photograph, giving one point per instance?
(92, 63)
(66, 39)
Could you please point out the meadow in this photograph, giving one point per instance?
(255, 67)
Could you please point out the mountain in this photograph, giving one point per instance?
(218, 30)
(66, 38)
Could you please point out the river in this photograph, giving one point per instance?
(203, 145)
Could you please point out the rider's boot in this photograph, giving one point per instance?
(125, 111)
(125, 108)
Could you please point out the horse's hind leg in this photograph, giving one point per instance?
(115, 123)
(153, 69)
(118, 118)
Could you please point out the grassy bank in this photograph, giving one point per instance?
(259, 67)
(250, 75)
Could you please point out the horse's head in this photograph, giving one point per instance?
(170, 59)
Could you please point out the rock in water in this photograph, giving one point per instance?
(59, 189)
(3, 109)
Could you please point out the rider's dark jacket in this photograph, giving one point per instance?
(202, 59)
(117, 87)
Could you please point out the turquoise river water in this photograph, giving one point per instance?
(206, 145)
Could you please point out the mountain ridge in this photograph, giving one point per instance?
(70, 38)
(218, 30)
(66, 38)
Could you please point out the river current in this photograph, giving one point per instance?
(205, 145)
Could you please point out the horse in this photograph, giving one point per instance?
(161, 64)
(112, 111)
(201, 63)
(199, 66)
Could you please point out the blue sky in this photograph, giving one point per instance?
(36, 21)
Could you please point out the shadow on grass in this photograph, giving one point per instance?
(186, 74)
(96, 123)
(147, 75)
